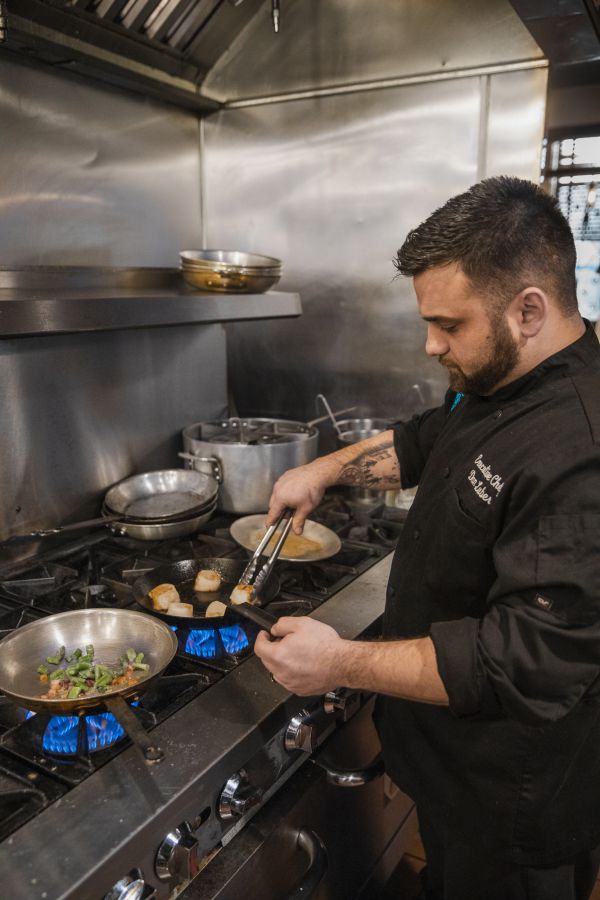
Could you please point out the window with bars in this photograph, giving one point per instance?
(571, 170)
(573, 175)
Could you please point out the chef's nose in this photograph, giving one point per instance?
(435, 344)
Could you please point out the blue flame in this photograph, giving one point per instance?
(211, 643)
(202, 643)
(234, 639)
(62, 732)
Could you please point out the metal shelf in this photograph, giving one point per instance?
(33, 311)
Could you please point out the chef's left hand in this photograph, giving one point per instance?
(306, 659)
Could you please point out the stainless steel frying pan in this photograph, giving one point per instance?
(153, 506)
(112, 632)
(183, 574)
(163, 495)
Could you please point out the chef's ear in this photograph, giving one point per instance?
(530, 308)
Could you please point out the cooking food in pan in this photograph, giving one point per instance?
(182, 576)
(80, 674)
(165, 597)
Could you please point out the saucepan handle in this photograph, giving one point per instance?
(255, 614)
(128, 719)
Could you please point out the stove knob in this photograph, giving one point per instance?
(127, 888)
(300, 733)
(238, 797)
(177, 856)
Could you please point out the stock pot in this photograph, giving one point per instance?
(248, 456)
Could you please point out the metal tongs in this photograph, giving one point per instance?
(256, 576)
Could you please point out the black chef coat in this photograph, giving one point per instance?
(499, 562)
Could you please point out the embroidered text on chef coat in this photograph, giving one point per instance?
(486, 483)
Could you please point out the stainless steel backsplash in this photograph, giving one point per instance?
(92, 176)
(358, 121)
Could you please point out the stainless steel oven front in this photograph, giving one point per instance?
(335, 831)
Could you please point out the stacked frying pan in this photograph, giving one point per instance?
(230, 271)
(163, 504)
(153, 506)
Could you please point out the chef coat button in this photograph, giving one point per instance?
(416, 534)
(446, 472)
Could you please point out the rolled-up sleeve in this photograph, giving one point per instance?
(413, 440)
(536, 652)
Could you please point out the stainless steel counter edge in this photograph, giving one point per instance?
(113, 309)
(228, 715)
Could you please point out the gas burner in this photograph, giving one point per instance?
(120, 575)
(45, 581)
(15, 618)
(200, 547)
(66, 747)
(91, 596)
(24, 792)
(213, 643)
(77, 735)
(70, 748)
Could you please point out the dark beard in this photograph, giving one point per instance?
(503, 358)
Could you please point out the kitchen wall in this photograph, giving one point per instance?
(92, 176)
(95, 177)
(339, 135)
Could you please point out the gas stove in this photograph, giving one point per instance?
(80, 810)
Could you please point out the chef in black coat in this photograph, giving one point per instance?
(488, 671)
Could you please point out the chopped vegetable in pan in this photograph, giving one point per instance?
(80, 674)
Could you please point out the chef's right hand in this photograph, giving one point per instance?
(302, 490)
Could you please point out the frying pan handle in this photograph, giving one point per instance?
(255, 614)
(128, 719)
(74, 526)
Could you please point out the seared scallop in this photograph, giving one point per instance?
(207, 580)
(185, 610)
(242, 593)
(216, 608)
(163, 595)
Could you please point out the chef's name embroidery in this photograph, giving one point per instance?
(489, 480)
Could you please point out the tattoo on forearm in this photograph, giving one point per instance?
(361, 471)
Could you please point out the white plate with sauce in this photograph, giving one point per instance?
(316, 541)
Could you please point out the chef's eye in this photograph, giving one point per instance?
(448, 328)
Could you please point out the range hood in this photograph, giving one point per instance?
(567, 31)
(161, 48)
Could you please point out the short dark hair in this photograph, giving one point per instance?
(505, 233)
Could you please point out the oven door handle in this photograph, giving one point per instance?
(350, 778)
(310, 843)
